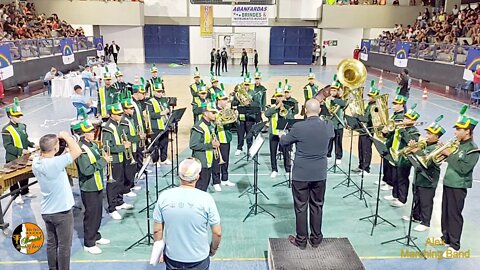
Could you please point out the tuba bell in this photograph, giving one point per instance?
(351, 73)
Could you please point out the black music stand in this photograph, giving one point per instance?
(254, 131)
(384, 154)
(149, 235)
(361, 128)
(172, 126)
(353, 124)
(249, 110)
(287, 124)
(409, 239)
(255, 190)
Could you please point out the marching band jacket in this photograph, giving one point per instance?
(309, 91)
(194, 88)
(111, 136)
(127, 126)
(107, 96)
(201, 142)
(459, 173)
(155, 106)
(90, 166)
(433, 170)
(15, 140)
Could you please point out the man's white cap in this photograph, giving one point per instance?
(189, 169)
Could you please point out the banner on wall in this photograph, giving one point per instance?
(66, 45)
(365, 49)
(472, 64)
(235, 42)
(98, 42)
(206, 21)
(401, 54)
(6, 68)
(249, 15)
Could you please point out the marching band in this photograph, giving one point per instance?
(134, 114)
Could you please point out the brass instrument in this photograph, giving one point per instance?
(283, 111)
(351, 73)
(140, 130)
(407, 150)
(216, 151)
(148, 123)
(129, 151)
(380, 116)
(357, 104)
(243, 97)
(109, 164)
(436, 155)
(226, 116)
(401, 125)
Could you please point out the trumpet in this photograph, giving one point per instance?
(407, 150)
(129, 151)
(106, 151)
(391, 126)
(216, 151)
(436, 155)
(141, 131)
(148, 123)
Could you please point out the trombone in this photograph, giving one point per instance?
(129, 151)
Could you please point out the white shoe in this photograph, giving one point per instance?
(421, 228)
(238, 152)
(93, 250)
(338, 162)
(136, 188)
(217, 188)
(228, 183)
(389, 198)
(19, 200)
(102, 241)
(131, 194)
(448, 254)
(273, 174)
(407, 218)
(159, 164)
(115, 215)
(397, 203)
(382, 183)
(386, 187)
(125, 206)
(167, 162)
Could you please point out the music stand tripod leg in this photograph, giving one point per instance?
(376, 216)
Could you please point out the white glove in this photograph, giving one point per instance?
(157, 252)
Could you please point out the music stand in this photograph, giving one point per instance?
(287, 124)
(249, 110)
(172, 125)
(409, 239)
(361, 192)
(254, 131)
(255, 190)
(148, 236)
(384, 154)
(353, 124)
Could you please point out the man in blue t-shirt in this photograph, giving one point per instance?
(57, 197)
(185, 215)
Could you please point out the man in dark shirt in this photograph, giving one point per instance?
(224, 56)
(255, 58)
(212, 60)
(217, 63)
(404, 83)
(309, 173)
(244, 62)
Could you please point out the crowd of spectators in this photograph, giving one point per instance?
(20, 22)
(439, 32)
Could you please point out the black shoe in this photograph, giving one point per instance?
(312, 244)
(293, 241)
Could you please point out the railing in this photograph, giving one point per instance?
(36, 48)
(447, 53)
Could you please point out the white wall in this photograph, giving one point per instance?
(130, 40)
(200, 47)
(347, 40)
(262, 42)
(166, 8)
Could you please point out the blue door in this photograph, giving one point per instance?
(291, 44)
(167, 44)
